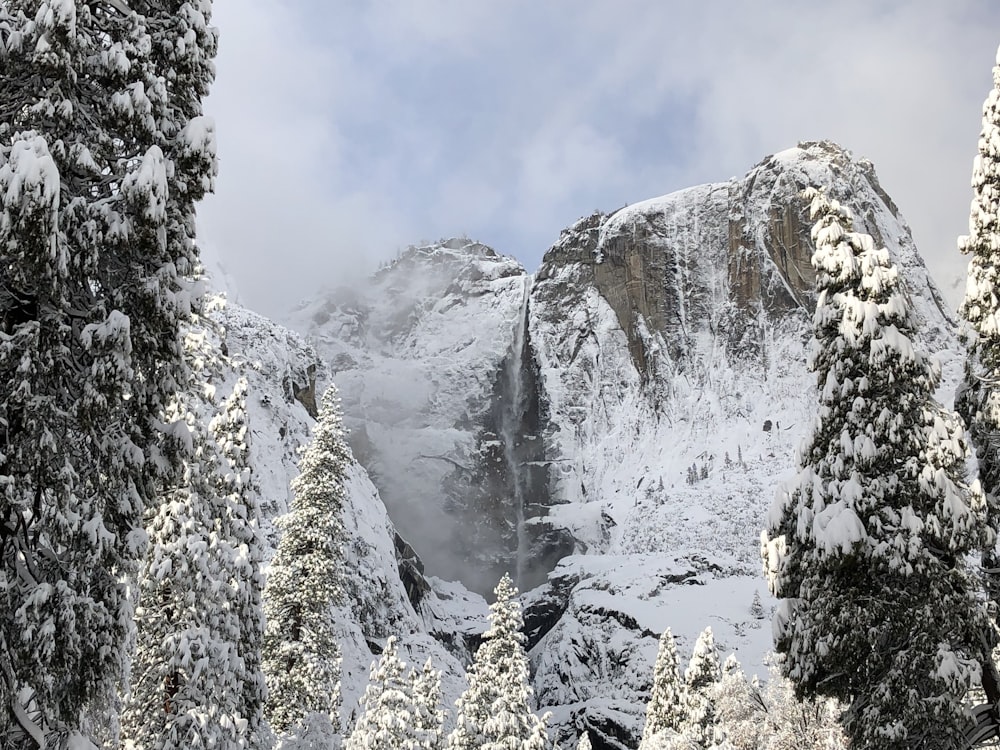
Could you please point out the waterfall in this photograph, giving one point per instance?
(511, 429)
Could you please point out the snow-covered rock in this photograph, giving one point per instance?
(670, 340)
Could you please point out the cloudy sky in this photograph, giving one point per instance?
(350, 130)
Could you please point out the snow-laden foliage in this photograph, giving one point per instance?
(584, 743)
(867, 546)
(981, 307)
(697, 707)
(978, 398)
(240, 524)
(196, 675)
(95, 240)
(301, 657)
(398, 711)
(664, 710)
(770, 717)
(494, 713)
(428, 716)
(186, 685)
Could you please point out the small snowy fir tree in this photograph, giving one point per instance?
(494, 712)
(301, 658)
(867, 546)
(428, 716)
(387, 708)
(92, 295)
(584, 743)
(700, 681)
(664, 710)
(757, 607)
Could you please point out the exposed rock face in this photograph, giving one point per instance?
(659, 263)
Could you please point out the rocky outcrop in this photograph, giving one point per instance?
(728, 257)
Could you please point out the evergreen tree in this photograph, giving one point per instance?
(92, 295)
(301, 658)
(428, 717)
(197, 676)
(700, 681)
(584, 743)
(664, 708)
(494, 711)
(388, 711)
(978, 397)
(239, 524)
(186, 678)
(867, 546)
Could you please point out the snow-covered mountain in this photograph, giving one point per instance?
(609, 429)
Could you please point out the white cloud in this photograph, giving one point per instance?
(348, 131)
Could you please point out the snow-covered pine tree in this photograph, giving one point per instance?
(698, 699)
(584, 743)
(664, 710)
(494, 712)
(240, 526)
(978, 397)
(867, 546)
(196, 676)
(388, 711)
(184, 690)
(91, 300)
(301, 658)
(428, 716)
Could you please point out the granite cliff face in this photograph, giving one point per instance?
(610, 429)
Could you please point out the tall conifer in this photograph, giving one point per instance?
(701, 679)
(93, 157)
(664, 711)
(301, 658)
(867, 546)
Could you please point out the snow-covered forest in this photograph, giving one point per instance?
(165, 586)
